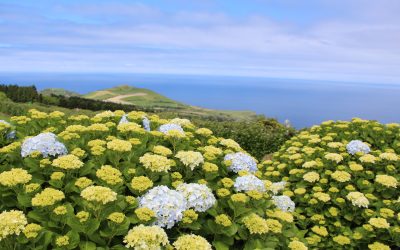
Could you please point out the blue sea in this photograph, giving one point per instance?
(303, 102)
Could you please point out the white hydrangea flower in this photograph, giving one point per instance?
(190, 159)
(358, 199)
(46, 143)
(277, 186)
(249, 183)
(169, 126)
(356, 146)
(284, 203)
(166, 203)
(124, 119)
(198, 196)
(146, 123)
(241, 161)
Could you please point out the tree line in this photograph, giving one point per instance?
(30, 94)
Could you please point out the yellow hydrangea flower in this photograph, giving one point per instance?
(297, 245)
(32, 230)
(67, 162)
(311, 177)
(62, 241)
(14, 177)
(386, 180)
(116, 217)
(341, 176)
(145, 214)
(256, 224)
(378, 246)
(334, 157)
(379, 223)
(12, 223)
(141, 183)
(190, 242)
(83, 182)
(320, 230)
(48, 197)
(239, 197)
(223, 220)
(57, 176)
(60, 210)
(189, 216)
(82, 216)
(99, 194)
(110, 175)
(155, 163)
(341, 240)
(146, 237)
(119, 145)
(161, 150)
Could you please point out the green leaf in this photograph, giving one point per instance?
(87, 245)
(219, 245)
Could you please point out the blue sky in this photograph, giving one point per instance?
(353, 40)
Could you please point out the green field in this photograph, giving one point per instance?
(149, 99)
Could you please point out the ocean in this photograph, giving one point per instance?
(303, 102)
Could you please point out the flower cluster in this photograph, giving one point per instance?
(198, 196)
(166, 203)
(190, 159)
(146, 237)
(357, 146)
(114, 180)
(249, 183)
(345, 190)
(45, 143)
(99, 194)
(11, 222)
(241, 161)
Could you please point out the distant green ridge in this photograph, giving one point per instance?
(141, 97)
(58, 91)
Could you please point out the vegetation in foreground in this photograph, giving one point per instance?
(137, 181)
(344, 178)
(257, 135)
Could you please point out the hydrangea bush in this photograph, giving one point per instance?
(118, 181)
(344, 179)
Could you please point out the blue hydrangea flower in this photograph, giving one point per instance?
(45, 143)
(12, 134)
(241, 161)
(146, 123)
(124, 119)
(167, 204)
(169, 126)
(284, 203)
(356, 146)
(198, 196)
(249, 183)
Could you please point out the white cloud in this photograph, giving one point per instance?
(363, 46)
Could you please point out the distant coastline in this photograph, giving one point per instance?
(303, 102)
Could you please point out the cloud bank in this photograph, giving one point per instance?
(351, 40)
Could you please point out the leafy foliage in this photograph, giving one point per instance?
(344, 199)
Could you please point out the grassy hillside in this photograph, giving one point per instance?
(58, 91)
(149, 99)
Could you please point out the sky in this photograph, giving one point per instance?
(339, 40)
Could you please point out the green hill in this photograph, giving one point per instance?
(141, 97)
(58, 91)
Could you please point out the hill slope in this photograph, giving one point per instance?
(149, 99)
(58, 91)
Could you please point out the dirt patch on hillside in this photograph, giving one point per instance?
(119, 98)
(101, 93)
